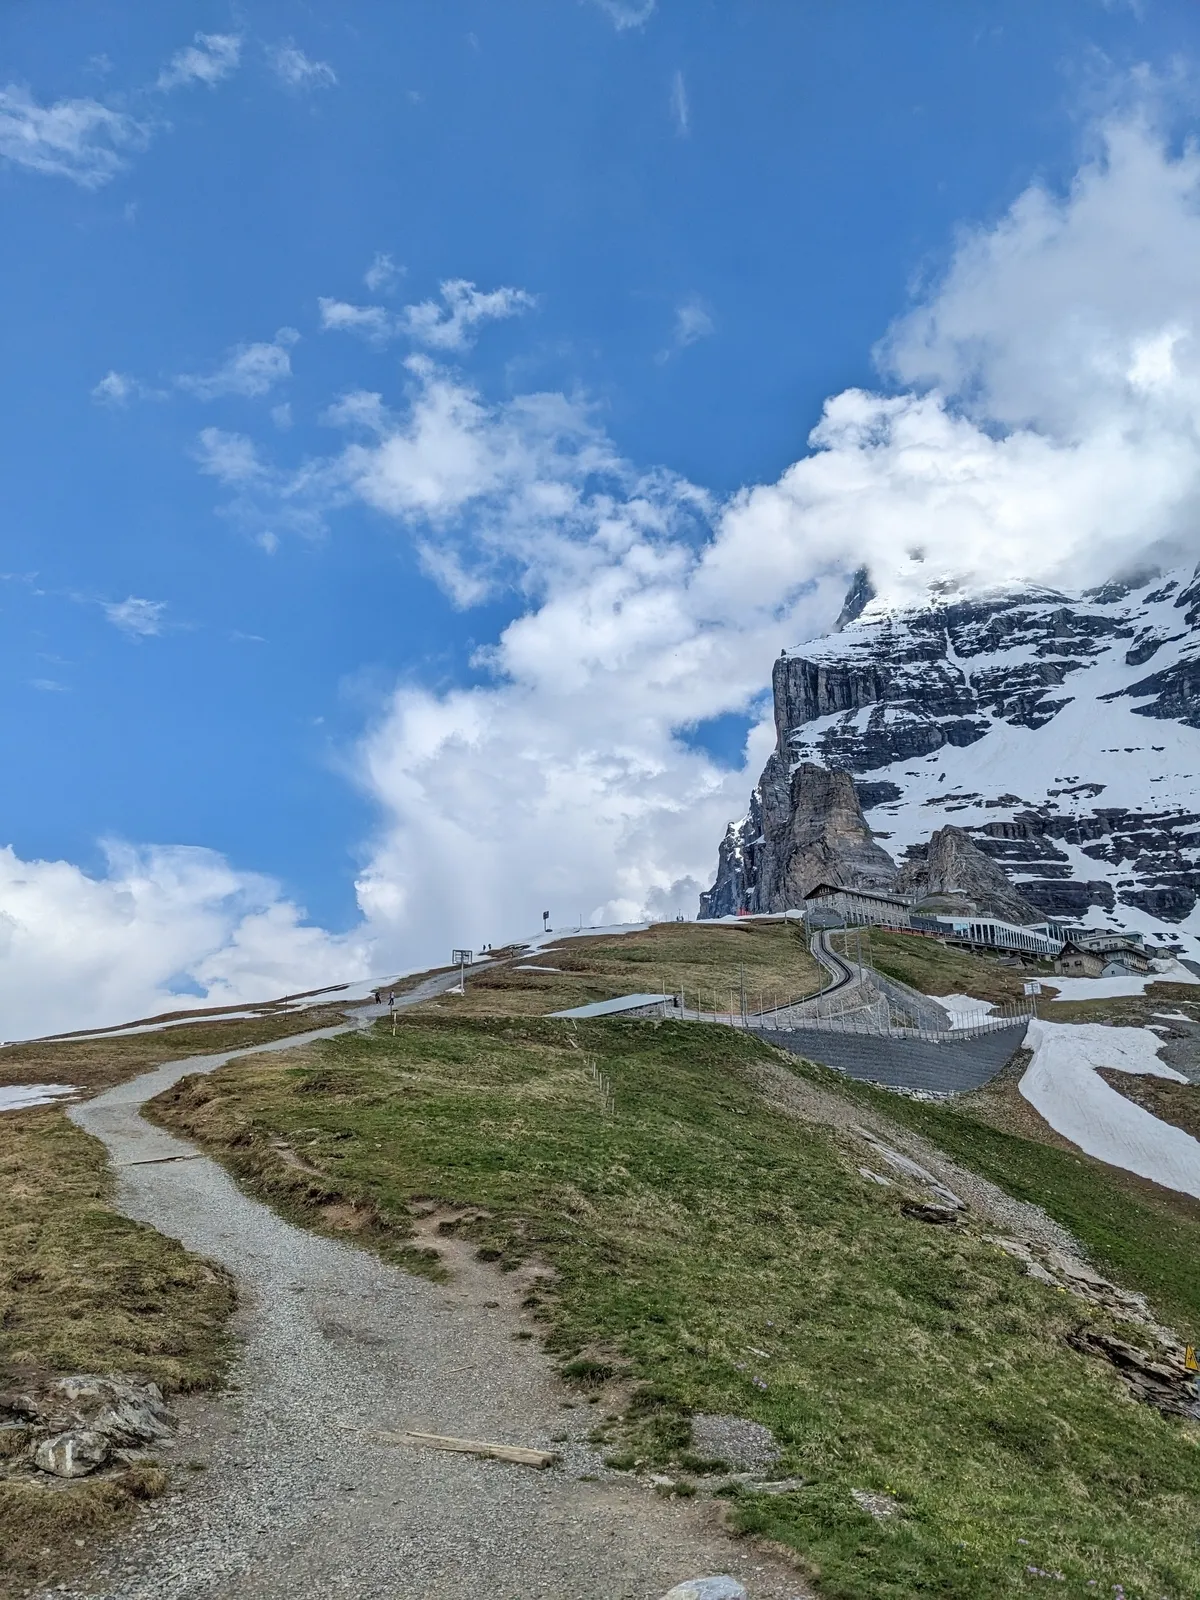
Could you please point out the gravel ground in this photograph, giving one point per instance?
(283, 1488)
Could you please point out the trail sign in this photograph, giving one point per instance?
(1033, 986)
(462, 958)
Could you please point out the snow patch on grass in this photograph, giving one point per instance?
(1062, 1084)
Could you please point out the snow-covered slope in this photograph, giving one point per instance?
(1061, 731)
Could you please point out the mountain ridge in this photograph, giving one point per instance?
(1026, 716)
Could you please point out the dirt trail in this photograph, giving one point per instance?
(294, 1496)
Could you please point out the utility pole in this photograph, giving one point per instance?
(742, 978)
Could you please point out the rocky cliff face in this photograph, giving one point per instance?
(1030, 718)
(951, 868)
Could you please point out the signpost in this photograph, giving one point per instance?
(462, 959)
(1033, 988)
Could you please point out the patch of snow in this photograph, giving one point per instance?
(1116, 988)
(1171, 1016)
(1062, 1084)
(528, 967)
(17, 1096)
(540, 941)
(965, 1011)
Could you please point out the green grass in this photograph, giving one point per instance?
(697, 1227)
(1148, 1237)
(935, 968)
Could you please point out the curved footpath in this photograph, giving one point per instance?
(297, 1496)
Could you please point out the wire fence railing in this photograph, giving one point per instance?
(855, 1000)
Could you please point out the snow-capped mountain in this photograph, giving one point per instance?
(1059, 731)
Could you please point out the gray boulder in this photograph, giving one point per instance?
(73, 1454)
(125, 1412)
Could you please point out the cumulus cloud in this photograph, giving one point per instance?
(298, 71)
(212, 57)
(162, 928)
(626, 13)
(1048, 431)
(383, 273)
(140, 619)
(115, 389)
(452, 324)
(1041, 423)
(231, 458)
(693, 322)
(376, 324)
(249, 369)
(78, 139)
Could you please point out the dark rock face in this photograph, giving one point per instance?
(1176, 693)
(802, 829)
(952, 864)
(891, 696)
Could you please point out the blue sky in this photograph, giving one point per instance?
(243, 614)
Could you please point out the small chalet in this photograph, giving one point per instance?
(1073, 961)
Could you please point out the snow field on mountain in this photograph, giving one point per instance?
(1063, 1085)
(1095, 753)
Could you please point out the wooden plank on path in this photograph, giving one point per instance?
(517, 1453)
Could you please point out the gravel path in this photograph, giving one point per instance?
(292, 1493)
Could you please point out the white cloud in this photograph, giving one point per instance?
(383, 273)
(679, 104)
(140, 619)
(249, 369)
(448, 324)
(693, 321)
(78, 951)
(626, 13)
(1049, 431)
(77, 139)
(376, 324)
(1058, 442)
(293, 68)
(115, 389)
(451, 325)
(211, 58)
(231, 458)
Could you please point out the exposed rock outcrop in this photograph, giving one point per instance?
(802, 829)
(951, 867)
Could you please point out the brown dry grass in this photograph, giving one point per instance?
(703, 960)
(83, 1289)
(97, 1063)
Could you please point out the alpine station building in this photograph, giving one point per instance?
(830, 905)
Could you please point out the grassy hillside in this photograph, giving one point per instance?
(935, 968)
(96, 1063)
(704, 961)
(728, 1259)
